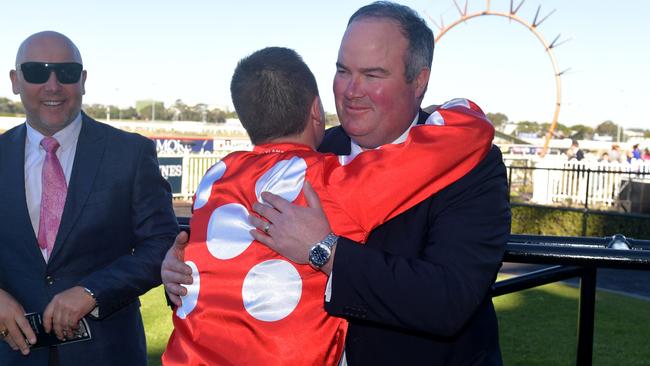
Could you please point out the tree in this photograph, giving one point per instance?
(561, 131)
(199, 112)
(128, 113)
(498, 119)
(97, 111)
(607, 128)
(216, 115)
(581, 132)
(331, 119)
(527, 127)
(150, 110)
(9, 107)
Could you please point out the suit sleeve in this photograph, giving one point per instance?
(437, 289)
(154, 228)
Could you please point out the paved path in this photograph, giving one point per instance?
(630, 282)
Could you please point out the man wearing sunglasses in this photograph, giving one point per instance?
(85, 221)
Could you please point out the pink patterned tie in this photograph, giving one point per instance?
(53, 196)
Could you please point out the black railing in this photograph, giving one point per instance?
(573, 257)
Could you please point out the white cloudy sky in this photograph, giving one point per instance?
(167, 50)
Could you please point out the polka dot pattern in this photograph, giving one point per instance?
(285, 179)
(205, 187)
(271, 290)
(191, 298)
(228, 231)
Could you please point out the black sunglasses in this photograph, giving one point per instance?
(39, 72)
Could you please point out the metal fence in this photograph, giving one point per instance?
(591, 185)
(572, 257)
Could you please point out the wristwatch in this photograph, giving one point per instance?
(320, 253)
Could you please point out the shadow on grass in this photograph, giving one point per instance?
(539, 327)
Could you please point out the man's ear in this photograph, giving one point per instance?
(316, 114)
(84, 74)
(421, 82)
(13, 75)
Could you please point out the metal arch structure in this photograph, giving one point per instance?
(512, 15)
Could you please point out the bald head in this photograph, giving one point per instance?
(56, 46)
(51, 94)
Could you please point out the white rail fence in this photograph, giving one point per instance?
(554, 181)
(557, 182)
(193, 169)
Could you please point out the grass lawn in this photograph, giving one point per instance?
(157, 318)
(537, 327)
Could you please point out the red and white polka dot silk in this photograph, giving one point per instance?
(250, 306)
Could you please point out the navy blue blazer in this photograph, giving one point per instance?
(418, 292)
(116, 227)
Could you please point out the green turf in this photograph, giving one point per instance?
(537, 327)
(157, 323)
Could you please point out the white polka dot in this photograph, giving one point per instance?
(456, 102)
(228, 231)
(189, 300)
(435, 119)
(285, 179)
(205, 187)
(271, 290)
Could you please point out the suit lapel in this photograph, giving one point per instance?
(87, 160)
(422, 117)
(335, 141)
(13, 161)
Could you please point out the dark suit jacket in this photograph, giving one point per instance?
(418, 292)
(117, 224)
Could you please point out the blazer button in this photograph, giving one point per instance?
(49, 280)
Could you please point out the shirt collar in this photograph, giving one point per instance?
(280, 147)
(67, 137)
(355, 149)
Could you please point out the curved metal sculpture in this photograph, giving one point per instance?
(512, 15)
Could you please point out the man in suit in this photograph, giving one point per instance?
(85, 219)
(418, 292)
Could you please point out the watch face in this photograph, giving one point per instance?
(318, 255)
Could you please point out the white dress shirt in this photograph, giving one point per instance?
(34, 158)
(356, 149)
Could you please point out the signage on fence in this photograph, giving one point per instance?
(181, 146)
(172, 170)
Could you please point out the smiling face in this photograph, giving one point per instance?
(374, 102)
(51, 106)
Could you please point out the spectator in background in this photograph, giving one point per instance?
(574, 152)
(605, 158)
(635, 154)
(646, 154)
(615, 155)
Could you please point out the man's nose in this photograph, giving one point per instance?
(52, 83)
(354, 88)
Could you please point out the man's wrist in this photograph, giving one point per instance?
(95, 311)
(320, 254)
